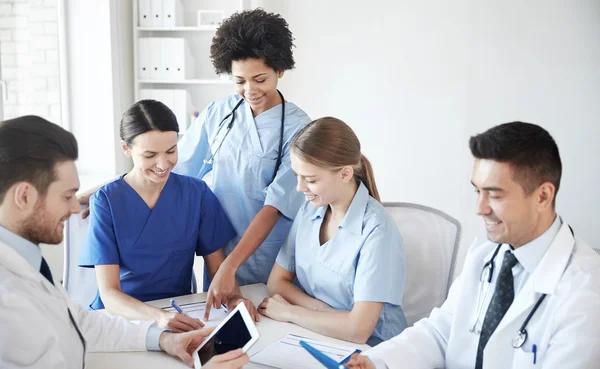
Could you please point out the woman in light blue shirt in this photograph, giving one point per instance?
(244, 140)
(344, 249)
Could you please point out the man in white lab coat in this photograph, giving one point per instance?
(527, 298)
(39, 325)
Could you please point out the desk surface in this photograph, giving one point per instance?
(270, 331)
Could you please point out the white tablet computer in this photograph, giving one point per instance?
(236, 331)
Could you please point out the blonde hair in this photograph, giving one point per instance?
(330, 143)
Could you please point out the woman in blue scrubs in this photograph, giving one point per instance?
(244, 140)
(146, 226)
(344, 249)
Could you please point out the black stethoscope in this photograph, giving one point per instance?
(83, 342)
(486, 277)
(210, 156)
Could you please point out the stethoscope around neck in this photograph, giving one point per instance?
(485, 285)
(210, 156)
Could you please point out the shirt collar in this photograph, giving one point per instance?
(353, 221)
(530, 254)
(30, 251)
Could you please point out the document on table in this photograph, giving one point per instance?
(197, 309)
(288, 354)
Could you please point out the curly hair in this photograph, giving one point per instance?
(253, 34)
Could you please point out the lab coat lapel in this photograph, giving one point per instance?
(544, 279)
(252, 129)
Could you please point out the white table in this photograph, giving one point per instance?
(270, 331)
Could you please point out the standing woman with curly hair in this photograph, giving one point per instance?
(244, 140)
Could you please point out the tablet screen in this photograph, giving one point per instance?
(233, 335)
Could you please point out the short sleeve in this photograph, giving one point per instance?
(282, 194)
(192, 148)
(100, 245)
(381, 268)
(215, 228)
(287, 254)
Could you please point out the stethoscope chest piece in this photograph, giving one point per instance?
(520, 339)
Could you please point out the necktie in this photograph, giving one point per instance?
(45, 270)
(504, 295)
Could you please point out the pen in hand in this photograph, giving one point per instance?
(177, 308)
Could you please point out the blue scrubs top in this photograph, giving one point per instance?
(364, 261)
(242, 172)
(154, 247)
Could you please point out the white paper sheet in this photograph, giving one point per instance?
(288, 354)
(197, 309)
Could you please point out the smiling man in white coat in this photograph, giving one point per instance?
(527, 298)
(39, 325)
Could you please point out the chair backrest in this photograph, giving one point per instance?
(431, 242)
(79, 282)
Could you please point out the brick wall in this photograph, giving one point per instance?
(29, 58)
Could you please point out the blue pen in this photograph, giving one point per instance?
(327, 362)
(534, 350)
(177, 308)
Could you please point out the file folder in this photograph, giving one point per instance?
(144, 58)
(172, 13)
(157, 13)
(144, 13)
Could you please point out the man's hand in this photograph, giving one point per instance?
(178, 323)
(360, 362)
(182, 345)
(231, 360)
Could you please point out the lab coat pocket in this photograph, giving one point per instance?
(525, 358)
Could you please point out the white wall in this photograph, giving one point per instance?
(100, 88)
(29, 58)
(416, 79)
(100, 80)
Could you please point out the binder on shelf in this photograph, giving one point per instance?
(178, 100)
(172, 13)
(179, 57)
(156, 68)
(144, 13)
(157, 13)
(183, 109)
(144, 57)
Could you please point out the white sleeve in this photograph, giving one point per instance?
(422, 346)
(103, 333)
(27, 338)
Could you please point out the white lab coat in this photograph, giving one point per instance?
(35, 329)
(565, 328)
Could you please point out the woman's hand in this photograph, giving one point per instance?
(232, 360)
(84, 199)
(276, 308)
(239, 299)
(221, 289)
